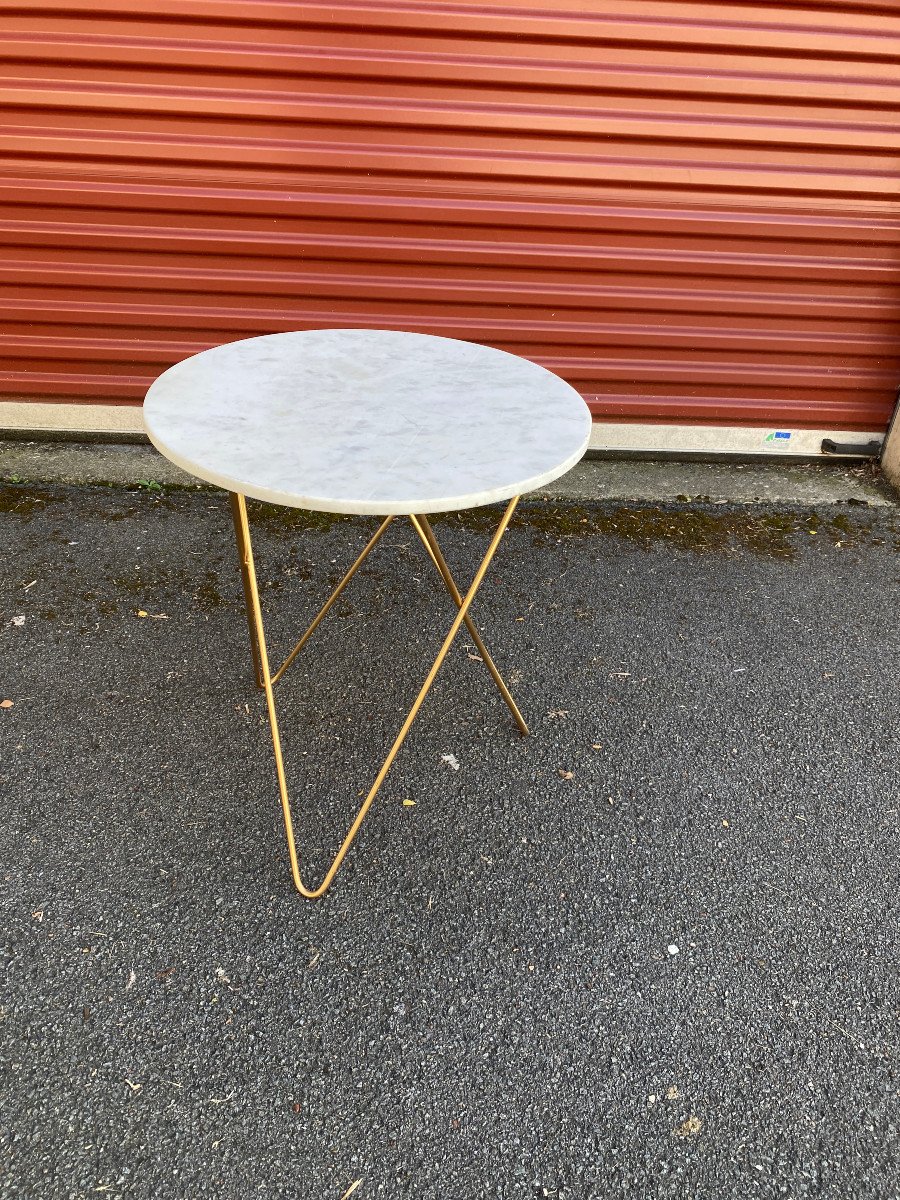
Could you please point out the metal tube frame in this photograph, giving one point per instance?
(266, 680)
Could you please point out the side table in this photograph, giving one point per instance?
(365, 422)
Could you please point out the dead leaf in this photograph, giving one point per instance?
(141, 613)
(689, 1128)
(409, 804)
(672, 1093)
(451, 760)
(566, 774)
(18, 620)
(596, 745)
(6, 703)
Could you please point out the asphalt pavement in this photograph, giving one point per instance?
(650, 951)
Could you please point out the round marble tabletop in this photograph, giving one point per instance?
(367, 421)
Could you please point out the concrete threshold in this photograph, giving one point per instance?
(804, 484)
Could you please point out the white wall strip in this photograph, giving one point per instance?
(42, 419)
(722, 439)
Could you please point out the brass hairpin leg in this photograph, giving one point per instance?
(245, 554)
(258, 640)
(425, 532)
(242, 535)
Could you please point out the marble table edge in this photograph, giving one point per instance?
(363, 508)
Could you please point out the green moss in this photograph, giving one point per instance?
(207, 594)
(694, 526)
(133, 585)
(697, 527)
(299, 520)
(21, 502)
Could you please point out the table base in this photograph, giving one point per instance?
(266, 680)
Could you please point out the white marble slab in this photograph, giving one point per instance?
(367, 421)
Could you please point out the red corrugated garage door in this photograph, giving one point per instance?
(688, 210)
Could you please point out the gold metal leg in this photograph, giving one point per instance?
(244, 553)
(251, 592)
(372, 543)
(425, 532)
(242, 534)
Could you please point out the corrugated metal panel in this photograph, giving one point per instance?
(690, 210)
